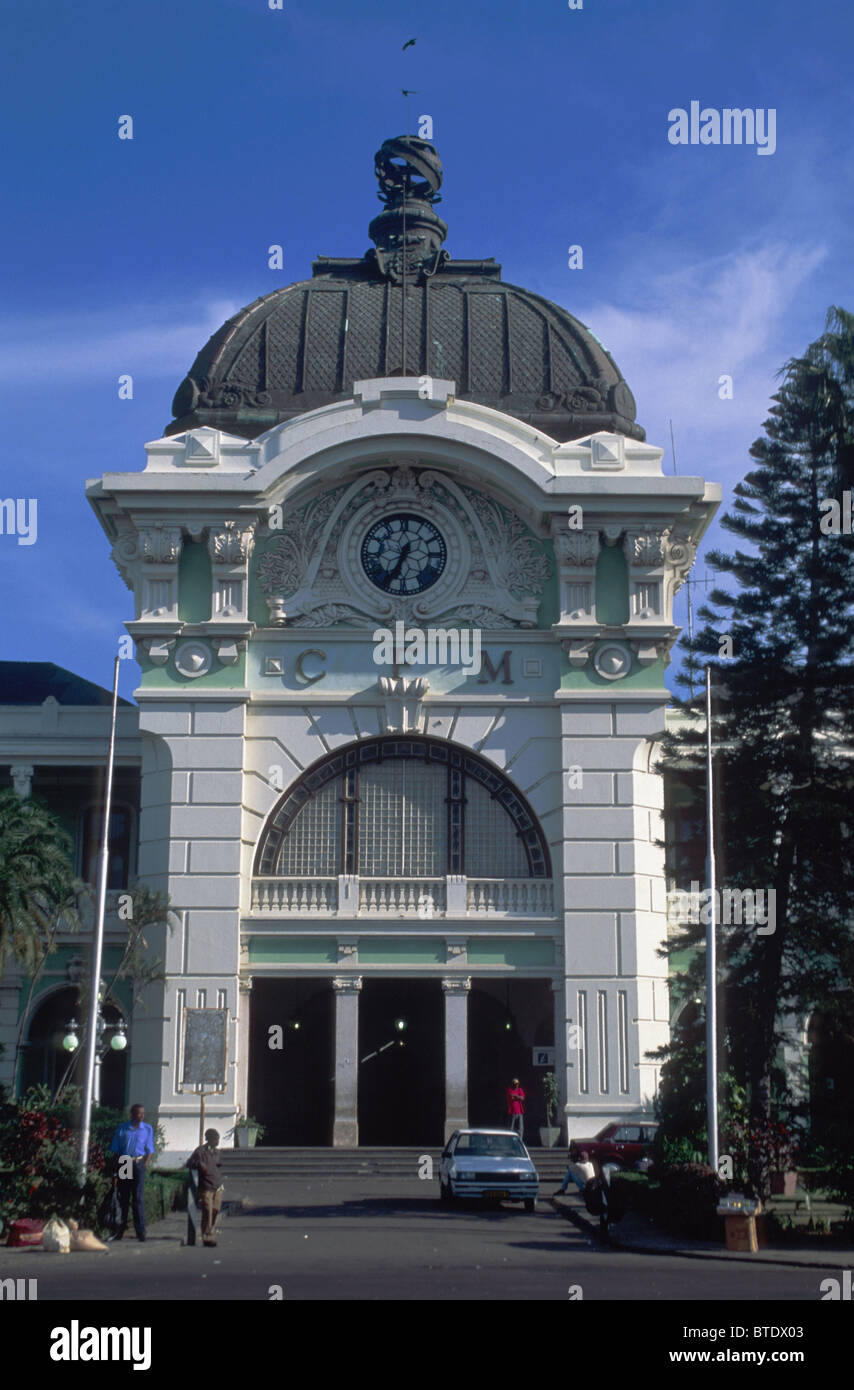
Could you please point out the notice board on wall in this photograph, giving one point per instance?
(205, 1047)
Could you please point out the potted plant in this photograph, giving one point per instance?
(550, 1133)
(247, 1131)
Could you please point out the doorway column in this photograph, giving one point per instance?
(244, 996)
(456, 992)
(345, 1133)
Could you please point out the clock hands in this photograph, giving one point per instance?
(403, 555)
(395, 570)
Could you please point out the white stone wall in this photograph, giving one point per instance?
(614, 900)
(191, 848)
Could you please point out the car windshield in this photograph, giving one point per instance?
(491, 1145)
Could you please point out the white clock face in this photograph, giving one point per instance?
(403, 554)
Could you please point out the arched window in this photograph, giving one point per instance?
(403, 808)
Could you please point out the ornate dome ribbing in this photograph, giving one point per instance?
(304, 346)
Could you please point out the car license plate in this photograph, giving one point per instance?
(502, 1193)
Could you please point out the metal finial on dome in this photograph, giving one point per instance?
(408, 233)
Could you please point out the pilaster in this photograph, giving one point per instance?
(345, 1134)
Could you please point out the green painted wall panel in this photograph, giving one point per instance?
(506, 951)
(402, 951)
(194, 583)
(612, 586)
(294, 950)
(639, 678)
(219, 677)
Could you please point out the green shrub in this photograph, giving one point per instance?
(637, 1193)
(689, 1194)
(165, 1191)
(39, 1174)
(39, 1163)
(668, 1149)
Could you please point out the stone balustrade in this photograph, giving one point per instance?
(423, 898)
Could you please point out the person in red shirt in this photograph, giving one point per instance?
(516, 1107)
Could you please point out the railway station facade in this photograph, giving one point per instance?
(403, 569)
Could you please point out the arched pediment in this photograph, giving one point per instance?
(395, 414)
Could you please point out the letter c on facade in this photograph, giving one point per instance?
(301, 673)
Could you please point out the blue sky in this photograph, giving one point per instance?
(255, 126)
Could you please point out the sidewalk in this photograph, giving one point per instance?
(636, 1234)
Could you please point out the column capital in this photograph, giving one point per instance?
(22, 779)
(347, 984)
(456, 984)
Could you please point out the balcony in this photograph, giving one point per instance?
(419, 898)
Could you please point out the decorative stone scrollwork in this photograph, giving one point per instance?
(680, 554)
(347, 984)
(310, 569)
(581, 400)
(193, 659)
(577, 548)
(160, 544)
(227, 395)
(230, 544)
(612, 661)
(454, 985)
(644, 548)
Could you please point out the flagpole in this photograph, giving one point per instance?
(98, 944)
(711, 946)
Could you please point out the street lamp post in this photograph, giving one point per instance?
(711, 947)
(98, 943)
(118, 1043)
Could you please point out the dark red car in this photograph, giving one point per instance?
(618, 1145)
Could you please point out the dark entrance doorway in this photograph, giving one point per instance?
(402, 1087)
(291, 1088)
(507, 1020)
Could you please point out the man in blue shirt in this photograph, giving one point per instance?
(133, 1142)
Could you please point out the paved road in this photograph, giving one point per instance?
(368, 1239)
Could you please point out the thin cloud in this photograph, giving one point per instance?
(147, 341)
(704, 321)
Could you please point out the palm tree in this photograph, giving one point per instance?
(38, 887)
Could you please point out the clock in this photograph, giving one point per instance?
(403, 554)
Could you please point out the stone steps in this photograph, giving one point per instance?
(328, 1163)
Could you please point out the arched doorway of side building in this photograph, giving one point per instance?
(45, 1062)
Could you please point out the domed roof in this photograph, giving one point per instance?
(417, 313)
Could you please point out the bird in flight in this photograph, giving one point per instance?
(408, 44)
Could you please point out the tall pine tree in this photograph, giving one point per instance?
(783, 726)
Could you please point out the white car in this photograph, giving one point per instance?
(488, 1163)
